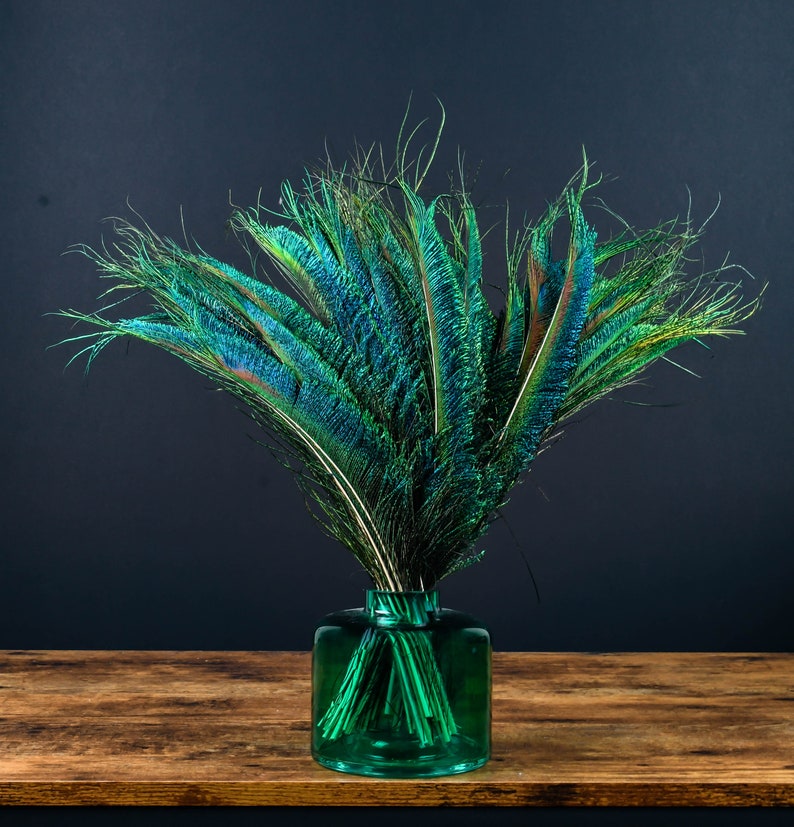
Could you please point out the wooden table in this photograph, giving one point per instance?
(232, 728)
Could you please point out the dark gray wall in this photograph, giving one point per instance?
(136, 513)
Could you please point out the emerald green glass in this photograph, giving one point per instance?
(401, 688)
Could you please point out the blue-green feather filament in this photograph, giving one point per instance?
(412, 406)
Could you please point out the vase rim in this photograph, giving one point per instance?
(412, 607)
(403, 591)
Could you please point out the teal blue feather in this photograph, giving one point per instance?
(408, 407)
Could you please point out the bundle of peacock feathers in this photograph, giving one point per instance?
(408, 408)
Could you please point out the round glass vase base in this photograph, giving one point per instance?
(369, 755)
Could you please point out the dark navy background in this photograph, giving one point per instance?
(136, 513)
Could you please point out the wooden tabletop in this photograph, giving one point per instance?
(232, 728)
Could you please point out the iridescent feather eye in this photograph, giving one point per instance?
(410, 406)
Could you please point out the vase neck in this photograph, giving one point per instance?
(403, 608)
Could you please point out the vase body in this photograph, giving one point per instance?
(401, 688)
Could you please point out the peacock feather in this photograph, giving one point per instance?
(405, 405)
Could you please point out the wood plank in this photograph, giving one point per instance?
(232, 728)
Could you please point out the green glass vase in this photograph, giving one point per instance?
(401, 688)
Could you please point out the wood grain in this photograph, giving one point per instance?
(232, 728)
